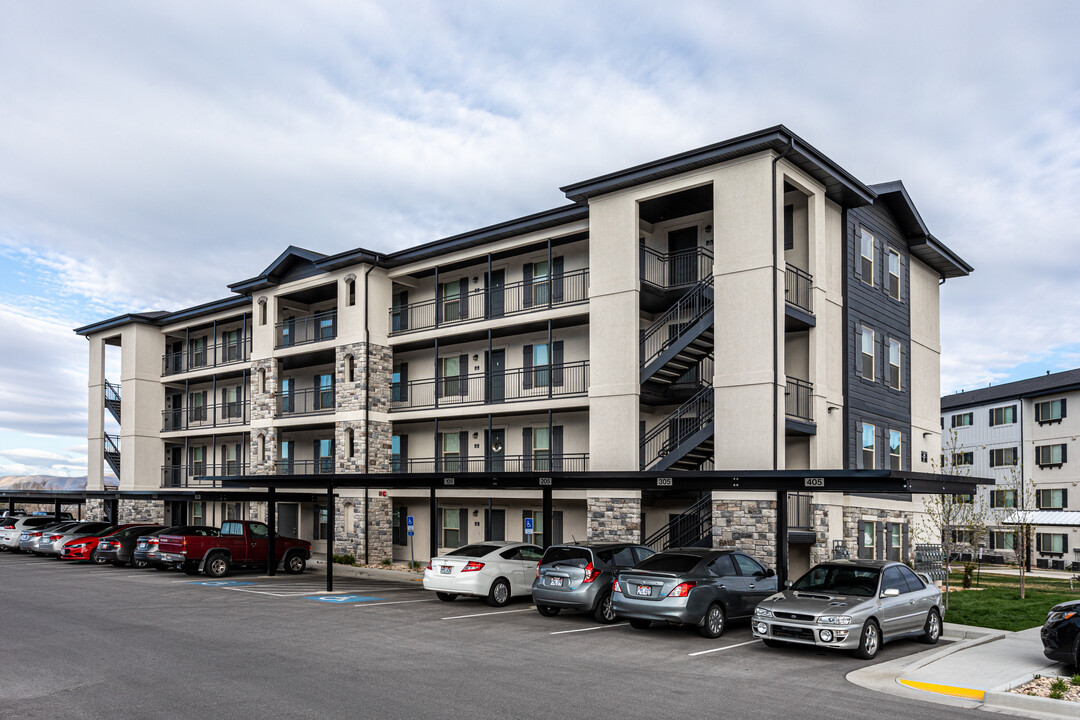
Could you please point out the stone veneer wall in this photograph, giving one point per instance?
(263, 465)
(350, 395)
(748, 525)
(151, 511)
(822, 549)
(264, 402)
(349, 535)
(613, 519)
(852, 516)
(379, 444)
(94, 510)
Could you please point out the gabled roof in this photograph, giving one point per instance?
(145, 318)
(1066, 381)
(921, 243)
(284, 263)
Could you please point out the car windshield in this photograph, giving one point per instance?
(473, 551)
(839, 580)
(669, 562)
(578, 557)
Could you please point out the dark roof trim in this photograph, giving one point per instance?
(921, 243)
(1040, 386)
(272, 274)
(149, 318)
(161, 317)
(840, 185)
(359, 256)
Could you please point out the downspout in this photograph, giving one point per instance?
(776, 310)
(367, 410)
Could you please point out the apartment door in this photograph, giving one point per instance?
(174, 460)
(496, 450)
(288, 519)
(496, 383)
(175, 357)
(496, 300)
(682, 269)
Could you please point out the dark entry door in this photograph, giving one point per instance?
(496, 301)
(288, 517)
(496, 385)
(682, 269)
(496, 450)
(496, 525)
(176, 470)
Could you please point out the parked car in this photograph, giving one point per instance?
(702, 587)
(12, 528)
(30, 539)
(146, 549)
(119, 547)
(85, 547)
(579, 577)
(852, 605)
(52, 542)
(1061, 633)
(496, 571)
(241, 543)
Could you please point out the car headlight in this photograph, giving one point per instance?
(1060, 615)
(762, 612)
(834, 620)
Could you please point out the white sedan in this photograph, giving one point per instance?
(493, 570)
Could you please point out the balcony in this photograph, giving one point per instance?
(191, 418)
(197, 358)
(306, 402)
(197, 474)
(799, 512)
(518, 385)
(798, 406)
(565, 462)
(492, 302)
(798, 299)
(322, 466)
(305, 330)
(672, 271)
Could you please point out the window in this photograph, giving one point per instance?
(1000, 457)
(867, 538)
(894, 450)
(451, 375)
(285, 455)
(867, 259)
(748, 566)
(1003, 499)
(399, 312)
(451, 452)
(262, 311)
(320, 522)
(230, 351)
(198, 352)
(198, 461)
(400, 532)
(865, 367)
(395, 454)
(232, 408)
(324, 451)
(198, 513)
(541, 365)
(541, 449)
(963, 458)
(894, 364)
(722, 566)
(1050, 411)
(891, 579)
(1052, 543)
(1051, 455)
(963, 537)
(451, 527)
(197, 406)
(326, 328)
(350, 369)
(350, 292)
(963, 420)
(350, 443)
(1002, 540)
(399, 390)
(234, 511)
(1055, 499)
(453, 304)
(324, 392)
(541, 289)
(257, 530)
(231, 456)
(1003, 415)
(895, 536)
(894, 274)
(288, 401)
(537, 537)
(868, 433)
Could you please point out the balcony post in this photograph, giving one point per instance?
(550, 287)
(438, 306)
(550, 351)
(438, 375)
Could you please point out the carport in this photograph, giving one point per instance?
(853, 482)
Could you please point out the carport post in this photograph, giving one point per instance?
(11, 505)
(433, 529)
(271, 521)
(548, 517)
(56, 508)
(330, 537)
(781, 539)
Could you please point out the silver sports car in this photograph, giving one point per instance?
(852, 605)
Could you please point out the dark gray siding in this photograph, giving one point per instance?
(875, 402)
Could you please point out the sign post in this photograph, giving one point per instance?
(412, 556)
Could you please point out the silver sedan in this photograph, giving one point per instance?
(852, 605)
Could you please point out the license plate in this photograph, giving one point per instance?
(644, 590)
(555, 581)
(445, 569)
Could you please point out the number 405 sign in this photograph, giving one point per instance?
(814, 482)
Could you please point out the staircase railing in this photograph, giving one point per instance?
(112, 452)
(686, 311)
(677, 269)
(675, 429)
(686, 529)
(112, 399)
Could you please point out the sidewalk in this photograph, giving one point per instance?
(974, 670)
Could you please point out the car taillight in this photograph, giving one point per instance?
(615, 586)
(8, 527)
(37, 534)
(473, 566)
(429, 565)
(54, 538)
(682, 589)
(183, 544)
(591, 573)
(152, 541)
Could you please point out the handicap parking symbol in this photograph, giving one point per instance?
(221, 583)
(341, 598)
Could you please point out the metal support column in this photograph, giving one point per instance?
(549, 516)
(433, 530)
(330, 520)
(438, 375)
(56, 508)
(781, 539)
(550, 360)
(271, 522)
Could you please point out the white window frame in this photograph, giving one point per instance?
(867, 238)
(871, 431)
(863, 333)
(896, 459)
(894, 369)
(894, 284)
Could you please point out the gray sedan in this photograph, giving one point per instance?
(53, 543)
(693, 586)
(852, 605)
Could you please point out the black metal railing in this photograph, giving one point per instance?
(520, 384)
(198, 474)
(322, 466)
(687, 529)
(799, 511)
(112, 452)
(206, 356)
(677, 269)
(668, 328)
(306, 402)
(112, 393)
(798, 396)
(677, 427)
(306, 329)
(492, 302)
(203, 416)
(797, 288)
(539, 462)
(696, 376)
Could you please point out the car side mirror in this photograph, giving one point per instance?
(890, 592)
(787, 584)
(770, 573)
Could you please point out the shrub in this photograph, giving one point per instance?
(969, 570)
(1075, 680)
(387, 562)
(1058, 688)
(345, 559)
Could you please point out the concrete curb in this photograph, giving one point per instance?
(1032, 706)
(319, 566)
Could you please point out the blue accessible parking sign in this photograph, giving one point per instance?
(528, 526)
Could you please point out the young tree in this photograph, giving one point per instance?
(1019, 513)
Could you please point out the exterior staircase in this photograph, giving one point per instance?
(112, 452)
(692, 528)
(680, 338)
(684, 439)
(112, 399)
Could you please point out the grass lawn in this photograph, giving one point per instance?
(998, 605)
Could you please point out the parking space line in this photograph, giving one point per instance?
(399, 602)
(598, 627)
(497, 612)
(726, 647)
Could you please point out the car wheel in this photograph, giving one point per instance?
(139, 563)
(547, 610)
(96, 559)
(639, 624)
(605, 610)
(295, 564)
(932, 628)
(712, 625)
(217, 566)
(446, 597)
(774, 643)
(869, 641)
(118, 563)
(499, 595)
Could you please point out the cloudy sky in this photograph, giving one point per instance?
(151, 153)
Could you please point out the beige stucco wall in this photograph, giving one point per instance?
(95, 428)
(925, 367)
(142, 397)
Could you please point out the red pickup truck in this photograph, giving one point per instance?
(242, 543)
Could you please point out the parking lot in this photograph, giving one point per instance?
(98, 641)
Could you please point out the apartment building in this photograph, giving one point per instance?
(746, 306)
(1023, 430)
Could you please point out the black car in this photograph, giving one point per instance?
(119, 547)
(1061, 633)
(146, 547)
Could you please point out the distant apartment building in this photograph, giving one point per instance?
(746, 306)
(1021, 429)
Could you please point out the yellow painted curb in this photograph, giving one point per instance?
(946, 690)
